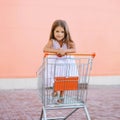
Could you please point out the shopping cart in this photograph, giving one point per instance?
(69, 74)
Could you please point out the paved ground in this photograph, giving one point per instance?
(103, 104)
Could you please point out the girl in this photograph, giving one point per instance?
(60, 42)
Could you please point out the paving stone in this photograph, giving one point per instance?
(103, 103)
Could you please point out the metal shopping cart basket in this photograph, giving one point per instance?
(68, 78)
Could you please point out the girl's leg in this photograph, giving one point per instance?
(55, 94)
(61, 99)
(61, 93)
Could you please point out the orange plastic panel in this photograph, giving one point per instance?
(66, 83)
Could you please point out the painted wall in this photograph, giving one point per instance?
(25, 26)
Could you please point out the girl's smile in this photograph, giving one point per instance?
(59, 33)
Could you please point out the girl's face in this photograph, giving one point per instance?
(59, 33)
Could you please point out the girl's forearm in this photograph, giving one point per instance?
(70, 51)
(50, 50)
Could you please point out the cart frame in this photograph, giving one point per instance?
(79, 91)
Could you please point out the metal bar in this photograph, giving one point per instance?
(55, 118)
(87, 113)
(44, 113)
(71, 113)
(41, 115)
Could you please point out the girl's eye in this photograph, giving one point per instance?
(59, 31)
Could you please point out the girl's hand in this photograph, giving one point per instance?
(61, 52)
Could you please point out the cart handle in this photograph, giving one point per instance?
(74, 54)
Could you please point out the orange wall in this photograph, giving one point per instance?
(25, 27)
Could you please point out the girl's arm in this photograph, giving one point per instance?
(59, 52)
(71, 48)
(48, 47)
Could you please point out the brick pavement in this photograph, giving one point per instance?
(103, 104)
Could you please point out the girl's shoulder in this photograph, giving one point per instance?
(71, 44)
(52, 41)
